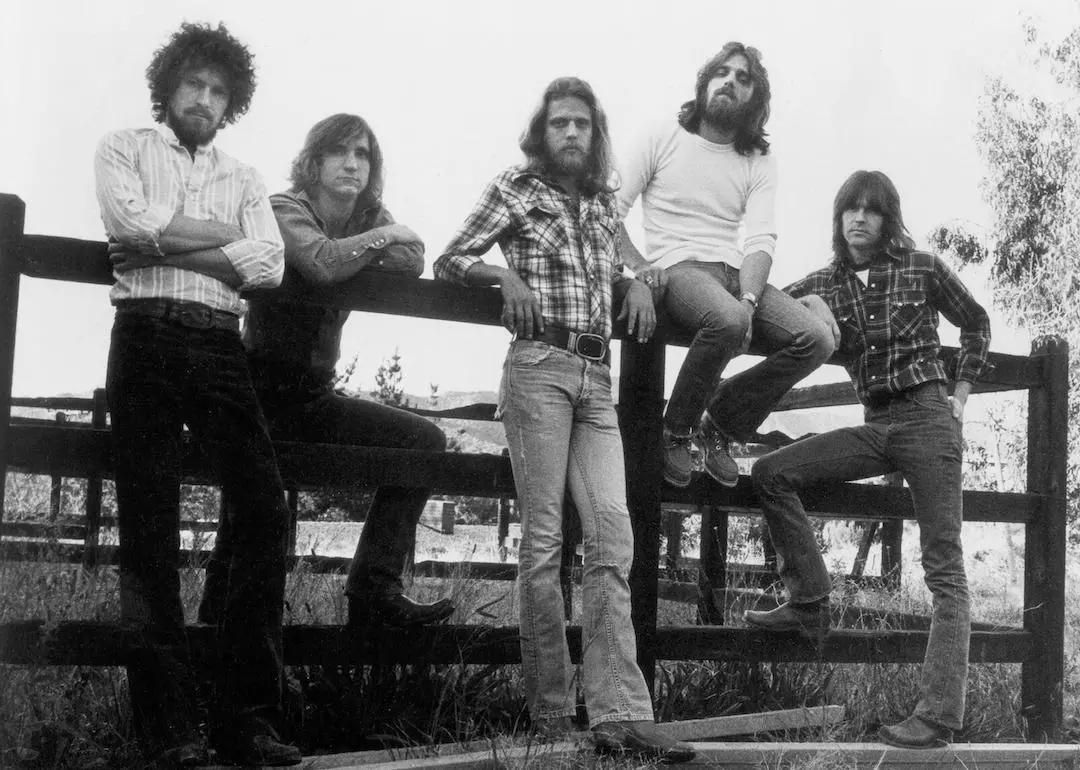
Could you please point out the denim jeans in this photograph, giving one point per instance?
(388, 539)
(563, 437)
(162, 375)
(702, 297)
(917, 435)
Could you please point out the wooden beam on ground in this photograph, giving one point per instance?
(864, 756)
(754, 724)
(735, 756)
(425, 753)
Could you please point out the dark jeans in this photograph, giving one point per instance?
(916, 435)
(389, 536)
(161, 376)
(702, 297)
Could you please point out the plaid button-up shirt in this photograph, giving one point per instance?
(889, 326)
(569, 262)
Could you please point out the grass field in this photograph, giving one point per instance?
(78, 717)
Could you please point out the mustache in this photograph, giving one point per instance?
(199, 112)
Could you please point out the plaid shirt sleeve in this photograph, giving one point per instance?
(952, 299)
(815, 283)
(487, 224)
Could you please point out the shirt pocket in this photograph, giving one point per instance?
(906, 315)
(544, 228)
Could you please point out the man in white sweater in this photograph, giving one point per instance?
(700, 179)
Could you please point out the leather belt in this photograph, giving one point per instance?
(592, 347)
(193, 315)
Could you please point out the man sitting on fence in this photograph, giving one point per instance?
(189, 227)
(702, 180)
(886, 297)
(555, 220)
(335, 226)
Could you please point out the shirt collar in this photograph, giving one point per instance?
(304, 198)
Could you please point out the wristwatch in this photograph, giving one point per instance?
(750, 297)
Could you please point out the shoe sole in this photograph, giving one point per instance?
(681, 483)
(391, 623)
(814, 634)
(939, 743)
(724, 482)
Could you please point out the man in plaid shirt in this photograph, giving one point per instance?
(885, 297)
(554, 219)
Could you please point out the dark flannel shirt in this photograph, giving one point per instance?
(293, 346)
(569, 262)
(889, 326)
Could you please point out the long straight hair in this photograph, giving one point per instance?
(751, 134)
(334, 130)
(599, 172)
(876, 191)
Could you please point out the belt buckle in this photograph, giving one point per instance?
(590, 346)
(194, 316)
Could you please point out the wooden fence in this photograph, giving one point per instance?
(65, 450)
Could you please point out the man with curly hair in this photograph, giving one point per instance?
(708, 181)
(189, 227)
(337, 230)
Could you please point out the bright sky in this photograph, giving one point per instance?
(448, 87)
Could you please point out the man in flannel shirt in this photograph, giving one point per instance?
(886, 297)
(554, 219)
(189, 228)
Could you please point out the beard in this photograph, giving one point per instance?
(727, 115)
(190, 130)
(568, 162)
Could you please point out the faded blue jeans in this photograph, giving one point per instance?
(703, 297)
(563, 436)
(917, 435)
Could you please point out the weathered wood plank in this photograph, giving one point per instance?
(80, 451)
(753, 724)
(99, 644)
(740, 756)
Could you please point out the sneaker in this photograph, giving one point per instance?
(716, 453)
(677, 458)
(640, 739)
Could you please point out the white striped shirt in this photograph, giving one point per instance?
(145, 177)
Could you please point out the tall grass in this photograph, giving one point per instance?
(78, 717)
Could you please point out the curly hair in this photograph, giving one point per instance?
(199, 45)
(599, 173)
(334, 130)
(875, 191)
(751, 134)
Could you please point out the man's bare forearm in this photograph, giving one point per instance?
(184, 234)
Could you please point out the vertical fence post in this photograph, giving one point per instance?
(641, 404)
(892, 542)
(12, 218)
(712, 571)
(1044, 545)
(56, 486)
(93, 489)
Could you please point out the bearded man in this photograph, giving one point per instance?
(702, 179)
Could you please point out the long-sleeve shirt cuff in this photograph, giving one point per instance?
(260, 264)
(454, 267)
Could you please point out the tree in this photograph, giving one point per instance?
(1030, 143)
(389, 390)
